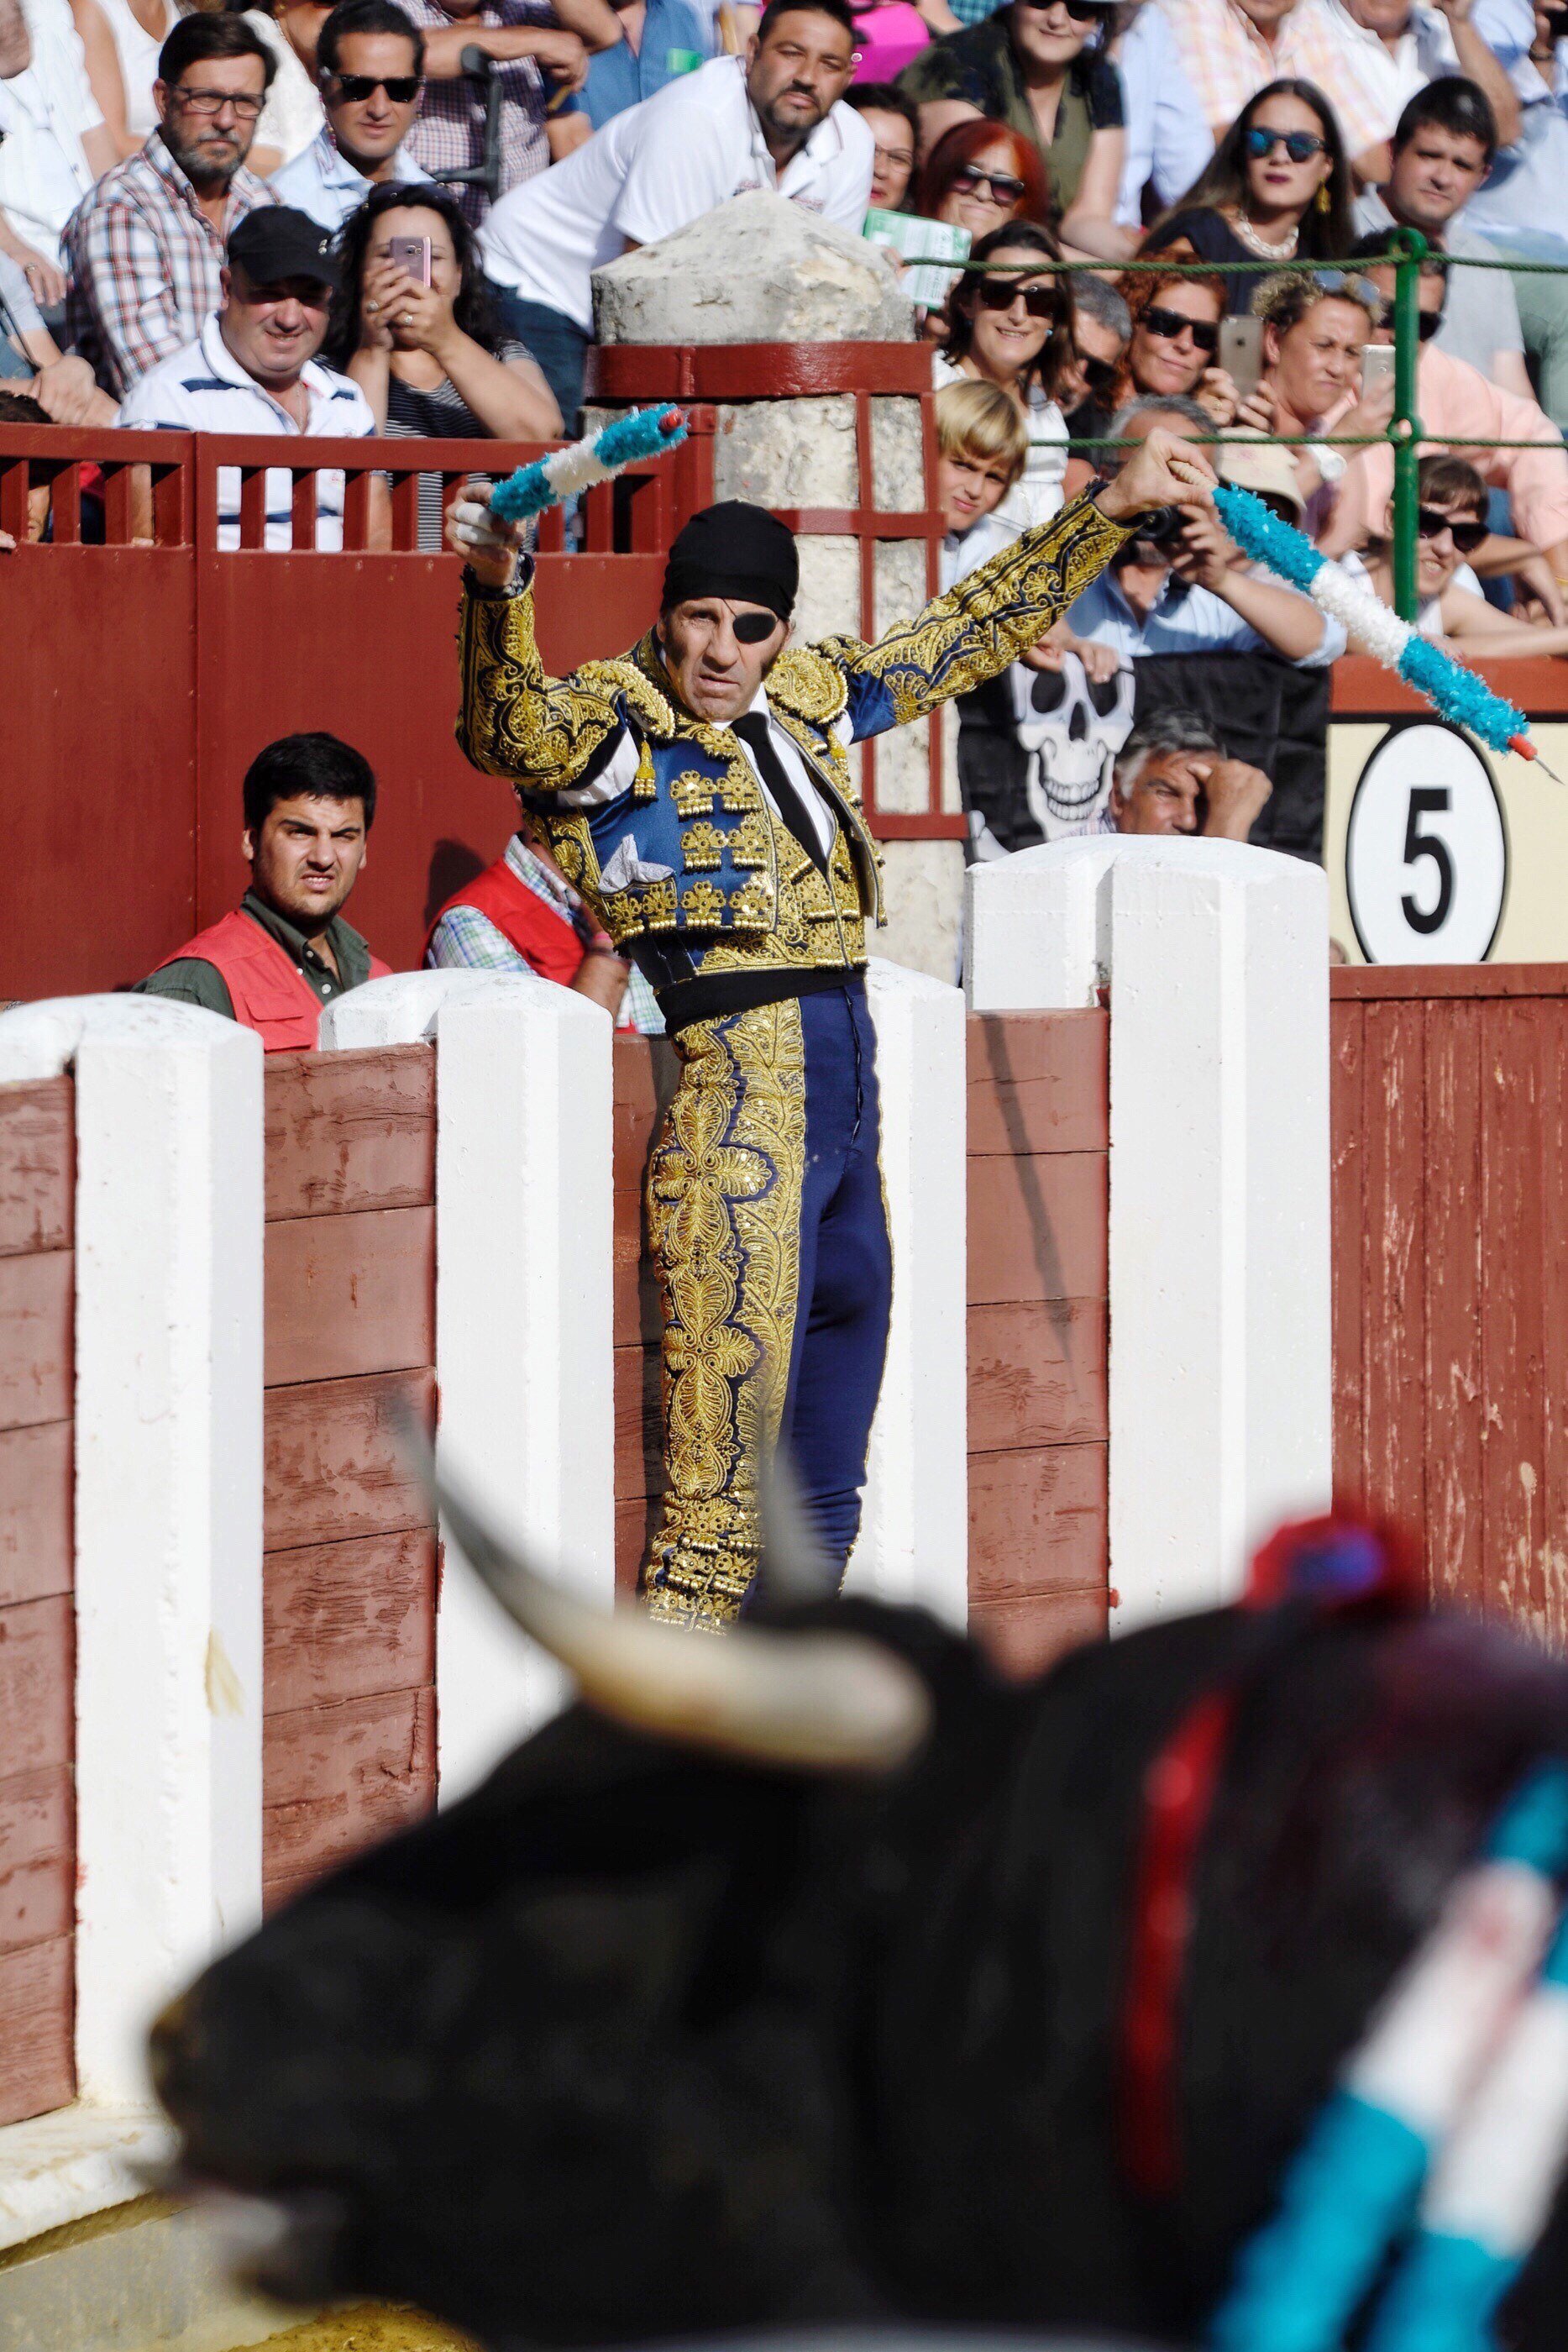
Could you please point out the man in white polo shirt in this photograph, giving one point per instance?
(253, 369)
(53, 140)
(774, 118)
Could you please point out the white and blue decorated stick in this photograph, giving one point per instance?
(1351, 2191)
(1452, 690)
(548, 481)
(1492, 2193)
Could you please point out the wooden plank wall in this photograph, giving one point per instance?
(349, 1739)
(1039, 1208)
(1038, 1111)
(38, 1829)
(1450, 1175)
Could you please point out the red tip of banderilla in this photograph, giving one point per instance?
(674, 418)
(1528, 750)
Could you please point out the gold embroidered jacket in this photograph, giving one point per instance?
(690, 845)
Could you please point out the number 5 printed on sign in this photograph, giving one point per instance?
(1426, 850)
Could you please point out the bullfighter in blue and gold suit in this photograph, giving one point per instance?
(714, 825)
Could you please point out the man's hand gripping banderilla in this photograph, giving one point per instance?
(489, 546)
(1162, 471)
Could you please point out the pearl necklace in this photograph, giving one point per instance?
(1285, 251)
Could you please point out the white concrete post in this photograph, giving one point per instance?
(1216, 955)
(914, 1542)
(524, 1344)
(168, 1520)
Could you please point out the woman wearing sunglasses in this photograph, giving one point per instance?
(1039, 67)
(1175, 340)
(1279, 189)
(980, 175)
(426, 354)
(1451, 527)
(1010, 325)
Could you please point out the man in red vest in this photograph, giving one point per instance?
(522, 914)
(286, 951)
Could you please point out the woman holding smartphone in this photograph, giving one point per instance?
(1278, 189)
(413, 329)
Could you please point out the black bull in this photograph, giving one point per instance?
(635, 2041)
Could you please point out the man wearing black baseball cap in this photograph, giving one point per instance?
(253, 369)
(698, 792)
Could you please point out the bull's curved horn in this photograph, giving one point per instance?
(816, 1701)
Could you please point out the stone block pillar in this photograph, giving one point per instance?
(798, 334)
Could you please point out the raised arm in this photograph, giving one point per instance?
(545, 733)
(973, 632)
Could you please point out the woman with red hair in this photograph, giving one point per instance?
(979, 175)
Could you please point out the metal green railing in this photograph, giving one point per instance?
(1404, 431)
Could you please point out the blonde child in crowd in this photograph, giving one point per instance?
(981, 446)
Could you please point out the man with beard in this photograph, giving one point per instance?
(774, 118)
(146, 248)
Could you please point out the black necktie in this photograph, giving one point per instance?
(754, 733)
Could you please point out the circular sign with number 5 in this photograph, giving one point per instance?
(1425, 860)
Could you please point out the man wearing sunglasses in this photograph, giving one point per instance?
(369, 64)
(699, 794)
(1459, 408)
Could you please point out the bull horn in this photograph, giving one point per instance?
(815, 1701)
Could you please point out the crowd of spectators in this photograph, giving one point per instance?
(384, 217)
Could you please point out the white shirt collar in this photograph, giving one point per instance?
(223, 364)
(337, 171)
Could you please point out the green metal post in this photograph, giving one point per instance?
(1405, 425)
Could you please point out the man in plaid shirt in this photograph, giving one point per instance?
(543, 53)
(145, 248)
(522, 914)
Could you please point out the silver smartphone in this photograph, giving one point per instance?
(1376, 368)
(1240, 352)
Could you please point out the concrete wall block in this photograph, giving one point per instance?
(1216, 954)
(1220, 1289)
(829, 604)
(523, 1318)
(925, 890)
(168, 1531)
(1038, 927)
(913, 1539)
(898, 455)
(787, 452)
(757, 269)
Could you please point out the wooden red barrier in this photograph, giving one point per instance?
(349, 1731)
(1039, 1160)
(1450, 1142)
(37, 1742)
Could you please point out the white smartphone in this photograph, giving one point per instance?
(1376, 368)
(1240, 352)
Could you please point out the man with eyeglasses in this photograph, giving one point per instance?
(1460, 409)
(370, 64)
(146, 249)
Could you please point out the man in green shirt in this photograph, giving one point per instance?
(286, 951)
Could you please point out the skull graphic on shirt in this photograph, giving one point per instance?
(1071, 727)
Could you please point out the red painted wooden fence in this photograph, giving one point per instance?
(349, 1582)
(38, 1740)
(1451, 1144)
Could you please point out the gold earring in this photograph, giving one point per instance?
(1323, 196)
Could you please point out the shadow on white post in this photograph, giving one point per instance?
(914, 1544)
(168, 1516)
(1216, 959)
(524, 1336)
